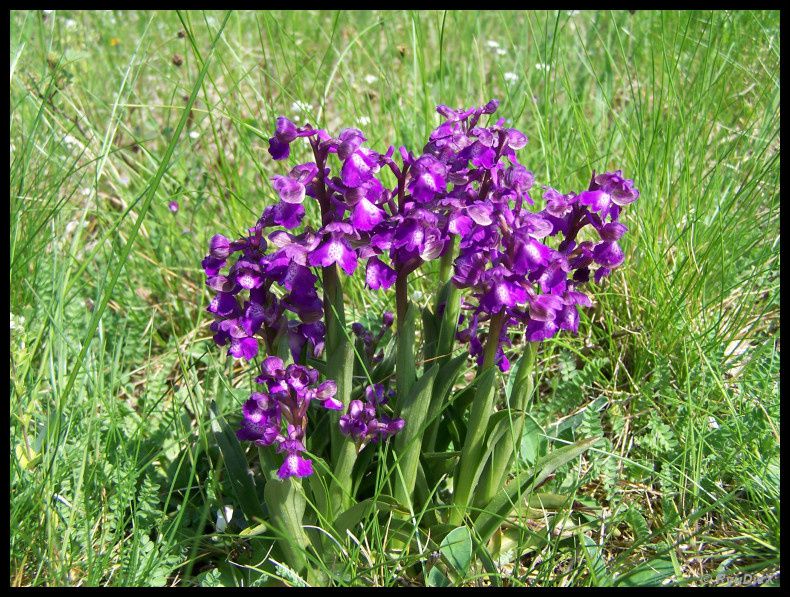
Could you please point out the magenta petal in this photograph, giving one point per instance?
(295, 466)
(244, 347)
(348, 260)
(608, 254)
(332, 404)
(596, 200)
(538, 331)
(460, 224)
(272, 366)
(278, 149)
(481, 213)
(335, 250)
(379, 274)
(288, 215)
(366, 215)
(289, 189)
(356, 169)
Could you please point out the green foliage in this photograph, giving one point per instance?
(116, 474)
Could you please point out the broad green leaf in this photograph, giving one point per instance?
(533, 441)
(437, 464)
(235, 462)
(430, 333)
(452, 300)
(254, 530)
(599, 576)
(408, 442)
(652, 573)
(286, 508)
(499, 508)
(384, 369)
(445, 379)
(474, 447)
(456, 550)
(361, 510)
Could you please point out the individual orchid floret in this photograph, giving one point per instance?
(364, 423)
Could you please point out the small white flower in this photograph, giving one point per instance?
(17, 321)
(48, 12)
(510, 77)
(363, 120)
(712, 422)
(370, 79)
(86, 191)
(299, 106)
(541, 66)
(71, 24)
(223, 518)
(492, 43)
(194, 134)
(72, 226)
(70, 140)
(417, 295)
(501, 51)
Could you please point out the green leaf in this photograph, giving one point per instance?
(451, 297)
(441, 389)
(430, 332)
(437, 464)
(255, 530)
(533, 441)
(361, 510)
(406, 369)
(599, 576)
(235, 463)
(456, 549)
(499, 508)
(468, 468)
(648, 574)
(408, 442)
(384, 369)
(286, 503)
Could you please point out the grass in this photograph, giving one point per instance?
(114, 471)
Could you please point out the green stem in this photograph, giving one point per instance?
(340, 491)
(446, 263)
(469, 463)
(286, 504)
(492, 343)
(340, 367)
(405, 367)
(495, 473)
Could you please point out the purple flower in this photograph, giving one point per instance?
(378, 274)
(335, 249)
(363, 423)
(288, 391)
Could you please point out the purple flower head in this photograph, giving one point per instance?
(364, 423)
(284, 403)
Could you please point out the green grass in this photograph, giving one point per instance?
(115, 475)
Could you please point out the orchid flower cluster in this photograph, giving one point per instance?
(466, 188)
(289, 391)
(364, 424)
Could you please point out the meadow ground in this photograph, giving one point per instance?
(114, 472)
